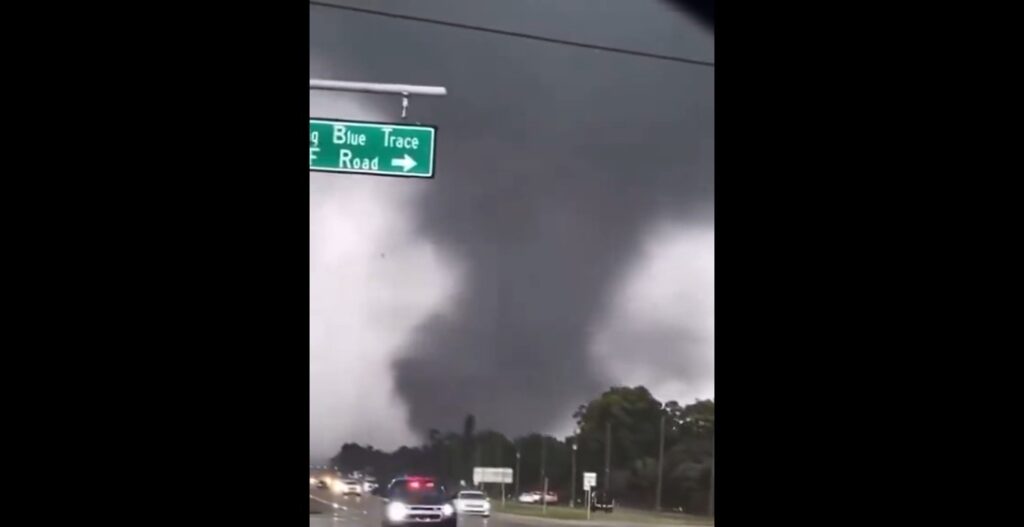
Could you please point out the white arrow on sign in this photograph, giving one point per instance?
(406, 163)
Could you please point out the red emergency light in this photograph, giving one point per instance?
(416, 482)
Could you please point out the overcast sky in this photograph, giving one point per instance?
(566, 243)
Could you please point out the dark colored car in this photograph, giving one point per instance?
(600, 501)
(414, 500)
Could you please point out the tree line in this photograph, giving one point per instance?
(630, 416)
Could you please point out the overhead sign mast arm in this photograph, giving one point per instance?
(373, 87)
(405, 90)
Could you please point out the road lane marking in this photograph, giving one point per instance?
(325, 502)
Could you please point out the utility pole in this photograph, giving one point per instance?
(518, 475)
(661, 461)
(543, 458)
(544, 497)
(499, 446)
(607, 456)
(711, 490)
(543, 473)
(572, 479)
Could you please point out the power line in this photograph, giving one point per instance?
(609, 49)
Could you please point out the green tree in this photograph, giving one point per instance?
(494, 449)
(689, 443)
(635, 417)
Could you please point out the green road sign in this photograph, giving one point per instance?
(371, 148)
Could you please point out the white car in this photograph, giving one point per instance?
(535, 497)
(529, 497)
(473, 502)
(348, 487)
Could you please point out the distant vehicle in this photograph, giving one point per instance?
(415, 500)
(535, 497)
(321, 484)
(599, 501)
(350, 487)
(471, 502)
(529, 497)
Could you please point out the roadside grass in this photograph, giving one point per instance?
(560, 512)
(563, 512)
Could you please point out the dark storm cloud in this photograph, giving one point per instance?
(704, 10)
(552, 162)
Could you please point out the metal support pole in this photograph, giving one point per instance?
(405, 90)
(374, 87)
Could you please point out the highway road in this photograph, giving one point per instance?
(327, 509)
(366, 512)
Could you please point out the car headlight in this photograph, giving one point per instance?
(396, 511)
(487, 505)
(447, 509)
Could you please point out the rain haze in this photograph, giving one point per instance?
(565, 244)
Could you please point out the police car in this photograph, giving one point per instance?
(416, 500)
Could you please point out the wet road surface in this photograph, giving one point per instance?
(328, 510)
